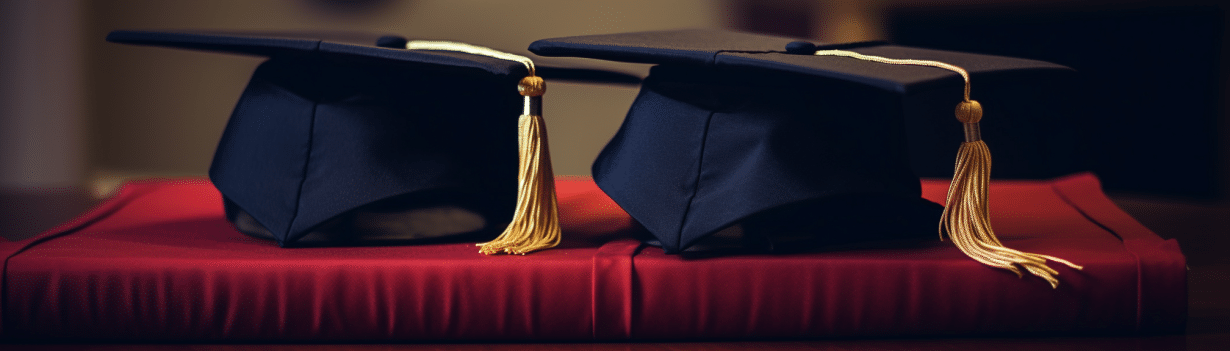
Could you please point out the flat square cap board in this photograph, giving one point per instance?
(737, 128)
(334, 143)
(1031, 128)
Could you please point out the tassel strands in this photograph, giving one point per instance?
(535, 224)
(966, 218)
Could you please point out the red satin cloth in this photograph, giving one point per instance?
(158, 262)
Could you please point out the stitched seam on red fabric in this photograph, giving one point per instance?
(631, 300)
(1135, 257)
(623, 254)
(90, 217)
(594, 294)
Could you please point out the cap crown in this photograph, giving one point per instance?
(734, 128)
(324, 128)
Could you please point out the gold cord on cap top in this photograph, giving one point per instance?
(966, 217)
(470, 49)
(535, 224)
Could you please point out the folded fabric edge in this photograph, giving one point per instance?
(1161, 267)
(128, 192)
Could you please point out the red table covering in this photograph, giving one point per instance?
(158, 262)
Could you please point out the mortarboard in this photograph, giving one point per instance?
(335, 143)
(774, 135)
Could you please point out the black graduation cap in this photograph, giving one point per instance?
(338, 143)
(780, 137)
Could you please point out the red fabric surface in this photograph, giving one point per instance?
(159, 262)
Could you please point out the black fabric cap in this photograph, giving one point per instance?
(335, 143)
(736, 128)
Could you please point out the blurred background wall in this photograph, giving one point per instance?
(78, 112)
(43, 94)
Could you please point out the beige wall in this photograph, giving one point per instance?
(161, 111)
(73, 106)
(41, 94)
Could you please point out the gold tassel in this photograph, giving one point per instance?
(535, 224)
(966, 217)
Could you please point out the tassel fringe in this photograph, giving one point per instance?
(967, 219)
(535, 225)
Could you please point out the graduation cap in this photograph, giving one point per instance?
(775, 135)
(406, 141)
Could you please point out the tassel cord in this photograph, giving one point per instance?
(535, 223)
(471, 49)
(966, 217)
(885, 60)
